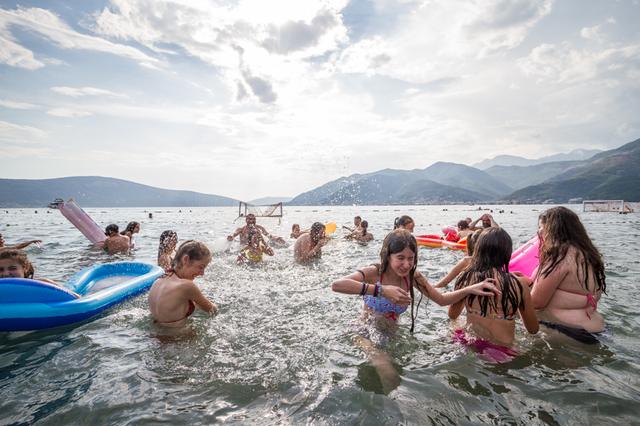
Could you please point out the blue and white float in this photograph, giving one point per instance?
(34, 305)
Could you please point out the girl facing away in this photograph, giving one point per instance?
(492, 318)
(255, 248)
(570, 278)
(167, 248)
(174, 296)
(463, 263)
(404, 222)
(388, 290)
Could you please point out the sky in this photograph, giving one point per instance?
(256, 98)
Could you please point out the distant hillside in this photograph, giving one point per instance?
(512, 160)
(439, 183)
(522, 176)
(95, 191)
(611, 174)
(265, 201)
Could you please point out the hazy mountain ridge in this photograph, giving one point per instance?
(611, 174)
(438, 183)
(513, 160)
(97, 191)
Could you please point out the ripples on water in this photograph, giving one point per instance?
(280, 350)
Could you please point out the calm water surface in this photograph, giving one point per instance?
(280, 351)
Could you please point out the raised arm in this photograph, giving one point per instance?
(484, 288)
(235, 234)
(20, 246)
(453, 273)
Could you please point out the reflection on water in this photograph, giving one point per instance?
(281, 349)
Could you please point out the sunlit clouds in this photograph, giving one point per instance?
(252, 98)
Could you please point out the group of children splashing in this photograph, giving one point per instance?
(562, 295)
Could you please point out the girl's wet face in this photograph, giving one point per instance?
(402, 262)
(194, 268)
(409, 227)
(11, 268)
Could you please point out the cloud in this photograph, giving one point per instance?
(19, 133)
(50, 26)
(77, 92)
(68, 113)
(16, 105)
(562, 63)
(12, 54)
(298, 35)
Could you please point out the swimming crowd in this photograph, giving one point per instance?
(562, 295)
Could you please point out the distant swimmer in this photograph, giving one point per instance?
(362, 235)
(463, 229)
(18, 246)
(404, 222)
(251, 223)
(132, 228)
(308, 246)
(357, 221)
(487, 222)
(174, 296)
(295, 231)
(571, 277)
(252, 253)
(115, 242)
(167, 248)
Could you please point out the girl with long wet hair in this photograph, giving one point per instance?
(570, 279)
(492, 318)
(166, 249)
(387, 289)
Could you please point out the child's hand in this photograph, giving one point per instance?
(485, 288)
(395, 295)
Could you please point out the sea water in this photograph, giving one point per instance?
(280, 350)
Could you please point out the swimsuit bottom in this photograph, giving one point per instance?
(579, 334)
(490, 352)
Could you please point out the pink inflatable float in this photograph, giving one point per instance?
(526, 258)
(80, 219)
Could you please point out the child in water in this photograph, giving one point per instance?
(174, 296)
(16, 264)
(388, 290)
(132, 228)
(166, 249)
(463, 263)
(115, 243)
(570, 279)
(404, 222)
(492, 317)
(253, 251)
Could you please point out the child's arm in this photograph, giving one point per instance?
(527, 311)
(484, 288)
(20, 246)
(194, 294)
(453, 273)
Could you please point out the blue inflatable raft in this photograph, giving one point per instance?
(34, 305)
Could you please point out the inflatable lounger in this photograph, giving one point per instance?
(526, 258)
(436, 241)
(33, 305)
(80, 219)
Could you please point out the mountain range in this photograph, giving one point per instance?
(96, 191)
(612, 174)
(512, 160)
